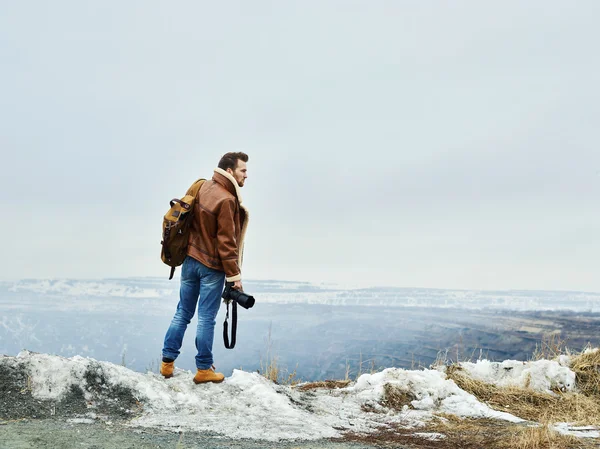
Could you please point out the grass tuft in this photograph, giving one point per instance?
(396, 397)
(326, 384)
(541, 437)
(586, 366)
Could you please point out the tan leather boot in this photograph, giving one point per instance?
(208, 375)
(166, 369)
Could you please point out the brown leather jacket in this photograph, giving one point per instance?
(219, 226)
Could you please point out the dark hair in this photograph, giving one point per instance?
(230, 160)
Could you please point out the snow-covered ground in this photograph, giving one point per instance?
(541, 375)
(282, 292)
(247, 405)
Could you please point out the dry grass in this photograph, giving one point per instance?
(543, 437)
(467, 433)
(270, 370)
(274, 373)
(270, 367)
(395, 397)
(529, 404)
(586, 366)
(390, 436)
(486, 433)
(551, 346)
(326, 384)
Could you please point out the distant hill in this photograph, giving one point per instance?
(288, 292)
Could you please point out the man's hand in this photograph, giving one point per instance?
(238, 286)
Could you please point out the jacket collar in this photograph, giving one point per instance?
(231, 186)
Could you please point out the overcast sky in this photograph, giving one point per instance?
(416, 144)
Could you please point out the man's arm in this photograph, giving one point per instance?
(227, 244)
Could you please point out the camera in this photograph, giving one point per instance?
(230, 293)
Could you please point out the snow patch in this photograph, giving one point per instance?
(577, 431)
(540, 375)
(432, 436)
(432, 390)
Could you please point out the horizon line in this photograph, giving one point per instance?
(335, 285)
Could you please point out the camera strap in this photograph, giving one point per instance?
(233, 326)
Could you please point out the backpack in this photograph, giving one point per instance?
(176, 227)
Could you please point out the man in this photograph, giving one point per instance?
(214, 255)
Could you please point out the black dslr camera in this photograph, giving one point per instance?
(238, 297)
(244, 300)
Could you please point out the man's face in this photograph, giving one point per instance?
(240, 172)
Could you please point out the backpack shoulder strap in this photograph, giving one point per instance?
(195, 187)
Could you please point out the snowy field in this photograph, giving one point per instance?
(246, 405)
(280, 292)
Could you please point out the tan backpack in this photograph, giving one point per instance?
(176, 228)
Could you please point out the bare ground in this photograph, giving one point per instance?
(54, 433)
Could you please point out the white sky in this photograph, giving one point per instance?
(418, 144)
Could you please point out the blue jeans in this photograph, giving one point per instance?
(197, 281)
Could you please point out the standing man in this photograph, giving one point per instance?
(214, 255)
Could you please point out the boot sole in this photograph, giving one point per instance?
(207, 381)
